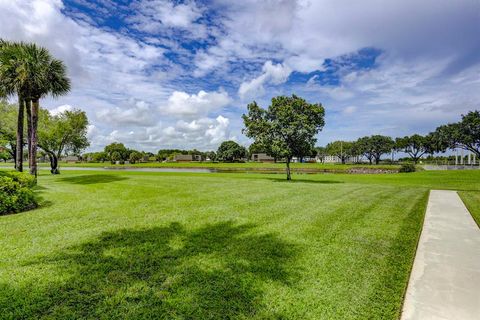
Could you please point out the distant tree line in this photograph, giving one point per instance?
(464, 134)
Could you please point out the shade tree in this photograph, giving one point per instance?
(373, 147)
(230, 151)
(343, 150)
(288, 127)
(464, 134)
(415, 146)
(62, 134)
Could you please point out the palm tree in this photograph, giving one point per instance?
(30, 72)
(47, 76)
(13, 77)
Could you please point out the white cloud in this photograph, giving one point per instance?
(132, 89)
(156, 16)
(60, 109)
(202, 133)
(192, 105)
(271, 73)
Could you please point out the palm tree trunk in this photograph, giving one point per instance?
(35, 107)
(19, 148)
(28, 108)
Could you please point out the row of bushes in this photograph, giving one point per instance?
(16, 192)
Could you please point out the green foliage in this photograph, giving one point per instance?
(231, 151)
(415, 146)
(341, 149)
(373, 147)
(287, 128)
(407, 167)
(464, 134)
(16, 193)
(212, 155)
(96, 156)
(8, 127)
(135, 156)
(64, 133)
(115, 156)
(121, 152)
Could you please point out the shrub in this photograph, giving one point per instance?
(25, 180)
(407, 167)
(16, 193)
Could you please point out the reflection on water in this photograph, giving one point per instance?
(193, 170)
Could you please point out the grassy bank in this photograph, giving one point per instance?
(141, 245)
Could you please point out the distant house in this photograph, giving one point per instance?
(187, 157)
(183, 158)
(262, 157)
(71, 159)
(335, 159)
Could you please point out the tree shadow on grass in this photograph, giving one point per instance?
(215, 272)
(93, 178)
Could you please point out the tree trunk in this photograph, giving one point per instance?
(289, 177)
(19, 148)
(13, 153)
(28, 108)
(53, 163)
(35, 107)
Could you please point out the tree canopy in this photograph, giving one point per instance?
(415, 146)
(341, 149)
(65, 133)
(288, 127)
(464, 134)
(231, 151)
(373, 147)
(8, 123)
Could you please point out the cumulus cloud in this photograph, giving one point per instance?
(60, 109)
(192, 105)
(155, 16)
(150, 80)
(202, 133)
(271, 73)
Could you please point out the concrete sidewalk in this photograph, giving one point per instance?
(445, 280)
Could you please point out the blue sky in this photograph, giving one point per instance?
(161, 73)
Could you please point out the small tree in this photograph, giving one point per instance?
(288, 127)
(116, 156)
(374, 147)
(230, 151)
(99, 156)
(415, 146)
(341, 149)
(135, 156)
(62, 133)
(117, 147)
(321, 153)
(212, 155)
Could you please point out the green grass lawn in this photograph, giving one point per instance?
(221, 165)
(136, 245)
(472, 201)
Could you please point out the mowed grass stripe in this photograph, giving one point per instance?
(238, 246)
